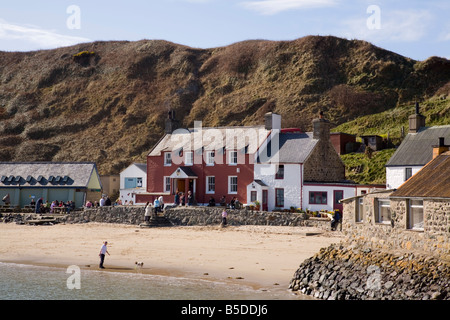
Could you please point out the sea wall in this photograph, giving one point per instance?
(350, 273)
(182, 216)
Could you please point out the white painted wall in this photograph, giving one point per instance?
(291, 183)
(133, 171)
(349, 191)
(395, 176)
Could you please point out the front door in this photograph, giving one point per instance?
(181, 185)
(264, 200)
(337, 196)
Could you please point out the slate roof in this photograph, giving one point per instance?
(46, 174)
(432, 181)
(293, 147)
(416, 149)
(212, 138)
(141, 166)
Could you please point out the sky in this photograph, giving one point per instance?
(415, 29)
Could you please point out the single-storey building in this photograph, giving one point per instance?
(415, 216)
(415, 150)
(133, 180)
(62, 181)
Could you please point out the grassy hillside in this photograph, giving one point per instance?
(362, 169)
(107, 101)
(388, 124)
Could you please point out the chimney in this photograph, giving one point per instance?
(416, 121)
(272, 121)
(440, 148)
(171, 124)
(321, 128)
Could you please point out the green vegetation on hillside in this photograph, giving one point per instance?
(390, 123)
(362, 169)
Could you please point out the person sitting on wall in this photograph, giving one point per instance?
(336, 220)
(233, 203)
(223, 201)
(212, 202)
(7, 200)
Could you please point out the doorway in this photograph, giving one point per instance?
(337, 196)
(264, 200)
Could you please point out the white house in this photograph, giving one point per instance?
(301, 170)
(415, 150)
(133, 180)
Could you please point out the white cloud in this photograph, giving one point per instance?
(36, 37)
(270, 7)
(397, 26)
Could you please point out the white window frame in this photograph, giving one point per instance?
(383, 204)
(413, 205)
(210, 158)
(210, 183)
(167, 184)
(359, 217)
(231, 157)
(408, 173)
(188, 158)
(167, 159)
(230, 184)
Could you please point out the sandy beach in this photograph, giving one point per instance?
(260, 256)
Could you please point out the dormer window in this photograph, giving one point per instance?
(280, 172)
(233, 157)
(189, 158)
(167, 158)
(210, 158)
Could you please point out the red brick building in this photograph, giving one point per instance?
(209, 162)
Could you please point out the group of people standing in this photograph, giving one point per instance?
(158, 206)
(181, 199)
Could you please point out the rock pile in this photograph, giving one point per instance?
(340, 273)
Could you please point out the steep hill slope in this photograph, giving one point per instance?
(107, 101)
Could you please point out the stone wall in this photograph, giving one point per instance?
(350, 273)
(433, 239)
(324, 164)
(184, 216)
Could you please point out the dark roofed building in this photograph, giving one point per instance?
(62, 181)
(433, 181)
(421, 204)
(413, 153)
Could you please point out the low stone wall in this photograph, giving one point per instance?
(188, 216)
(183, 216)
(348, 273)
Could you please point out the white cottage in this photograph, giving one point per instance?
(415, 150)
(133, 180)
(301, 170)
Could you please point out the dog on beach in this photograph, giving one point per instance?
(139, 264)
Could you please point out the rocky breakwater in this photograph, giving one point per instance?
(349, 273)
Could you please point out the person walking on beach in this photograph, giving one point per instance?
(103, 251)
